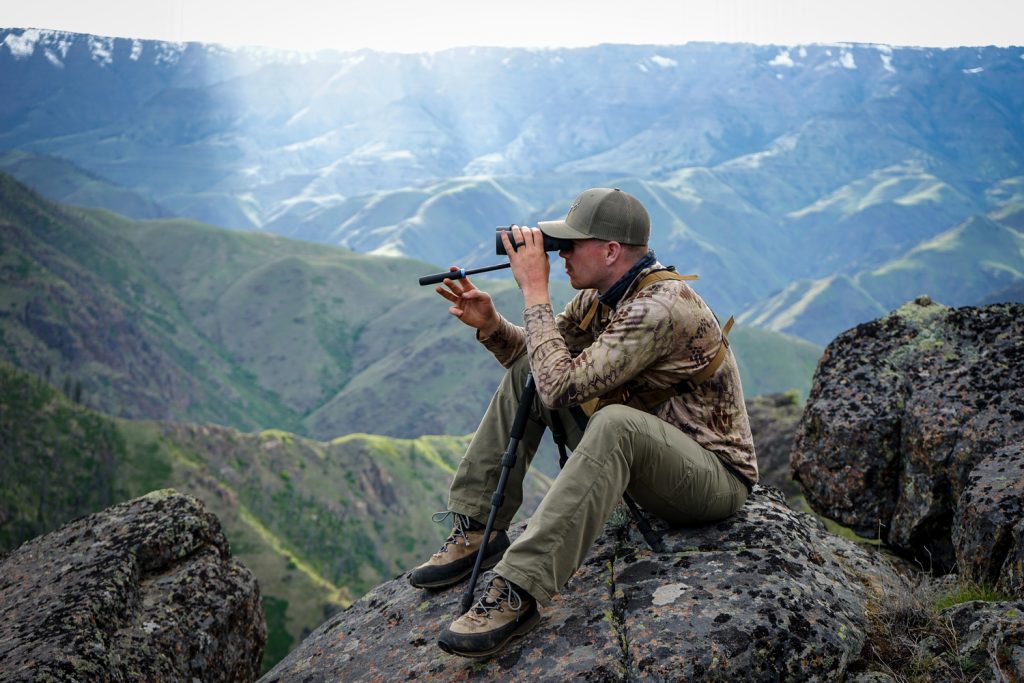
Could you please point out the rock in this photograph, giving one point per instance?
(902, 410)
(989, 638)
(764, 595)
(142, 591)
(989, 529)
(773, 422)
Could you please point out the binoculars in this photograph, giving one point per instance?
(550, 243)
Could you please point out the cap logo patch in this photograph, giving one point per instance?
(575, 205)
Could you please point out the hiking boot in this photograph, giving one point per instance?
(455, 560)
(504, 612)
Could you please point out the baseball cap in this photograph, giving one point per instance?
(602, 213)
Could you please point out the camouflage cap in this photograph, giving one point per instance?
(602, 213)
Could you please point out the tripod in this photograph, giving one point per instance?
(508, 461)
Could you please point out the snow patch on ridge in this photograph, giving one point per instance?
(664, 62)
(782, 59)
(24, 45)
(55, 45)
(102, 50)
(168, 53)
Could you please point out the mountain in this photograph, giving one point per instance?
(65, 182)
(62, 460)
(318, 523)
(174, 320)
(979, 261)
(762, 165)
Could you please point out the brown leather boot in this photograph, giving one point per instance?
(504, 612)
(455, 560)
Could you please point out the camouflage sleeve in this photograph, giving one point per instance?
(567, 323)
(636, 337)
(507, 343)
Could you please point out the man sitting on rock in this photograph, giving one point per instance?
(671, 428)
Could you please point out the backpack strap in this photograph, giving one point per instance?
(655, 397)
(649, 279)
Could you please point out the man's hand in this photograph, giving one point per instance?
(530, 264)
(471, 305)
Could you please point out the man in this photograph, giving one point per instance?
(683, 452)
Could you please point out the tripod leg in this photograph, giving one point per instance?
(558, 434)
(508, 461)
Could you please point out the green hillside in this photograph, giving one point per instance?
(978, 261)
(318, 523)
(772, 363)
(174, 320)
(65, 182)
(959, 267)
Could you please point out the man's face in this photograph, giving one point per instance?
(585, 263)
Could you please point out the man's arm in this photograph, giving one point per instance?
(637, 338)
(474, 307)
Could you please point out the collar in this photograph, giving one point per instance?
(614, 295)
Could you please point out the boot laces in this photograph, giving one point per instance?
(493, 598)
(460, 524)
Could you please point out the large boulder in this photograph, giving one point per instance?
(765, 595)
(988, 531)
(143, 591)
(902, 411)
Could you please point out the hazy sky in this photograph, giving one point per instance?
(422, 25)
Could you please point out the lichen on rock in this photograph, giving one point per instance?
(142, 591)
(767, 594)
(902, 410)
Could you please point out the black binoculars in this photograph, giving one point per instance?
(550, 243)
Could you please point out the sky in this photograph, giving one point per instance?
(428, 25)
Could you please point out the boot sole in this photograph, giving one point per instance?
(451, 581)
(523, 629)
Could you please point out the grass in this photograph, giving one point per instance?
(968, 591)
(799, 503)
(913, 641)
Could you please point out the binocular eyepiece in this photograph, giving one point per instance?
(550, 243)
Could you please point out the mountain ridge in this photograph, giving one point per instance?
(733, 143)
(171, 319)
(319, 523)
(978, 261)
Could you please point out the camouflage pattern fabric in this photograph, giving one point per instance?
(655, 338)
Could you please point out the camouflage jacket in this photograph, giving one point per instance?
(656, 337)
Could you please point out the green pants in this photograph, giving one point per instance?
(622, 450)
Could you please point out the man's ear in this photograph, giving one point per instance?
(612, 253)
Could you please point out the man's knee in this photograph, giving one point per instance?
(612, 425)
(515, 376)
(518, 370)
(616, 417)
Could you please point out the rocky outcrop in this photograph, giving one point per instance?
(913, 432)
(143, 591)
(988, 530)
(765, 595)
(989, 639)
